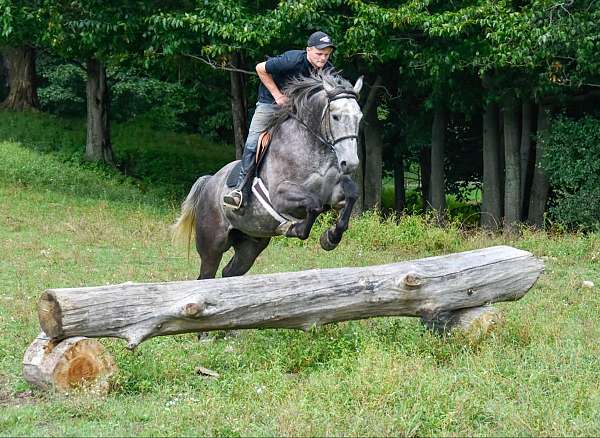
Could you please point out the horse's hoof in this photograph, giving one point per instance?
(326, 242)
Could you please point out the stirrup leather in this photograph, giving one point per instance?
(241, 195)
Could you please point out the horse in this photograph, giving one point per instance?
(306, 170)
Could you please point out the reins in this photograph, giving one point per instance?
(341, 94)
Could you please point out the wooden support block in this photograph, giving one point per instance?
(76, 362)
(475, 322)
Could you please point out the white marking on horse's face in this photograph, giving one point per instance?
(344, 120)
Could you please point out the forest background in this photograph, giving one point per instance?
(494, 102)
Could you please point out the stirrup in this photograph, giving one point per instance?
(232, 195)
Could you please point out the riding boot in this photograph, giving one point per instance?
(235, 197)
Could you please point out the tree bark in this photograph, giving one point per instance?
(22, 79)
(4, 85)
(540, 185)
(491, 202)
(98, 145)
(438, 178)
(512, 160)
(526, 131)
(359, 176)
(425, 166)
(373, 149)
(299, 300)
(399, 185)
(239, 106)
(72, 363)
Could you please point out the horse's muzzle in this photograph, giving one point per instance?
(347, 166)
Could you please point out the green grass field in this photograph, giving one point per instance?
(63, 223)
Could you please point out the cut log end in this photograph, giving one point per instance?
(72, 363)
(50, 315)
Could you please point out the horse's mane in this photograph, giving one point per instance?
(299, 91)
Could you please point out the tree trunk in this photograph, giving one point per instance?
(22, 79)
(540, 185)
(526, 131)
(98, 145)
(425, 166)
(373, 149)
(491, 202)
(399, 185)
(299, 300)
(502, 158)
(4, 85)
(64, 365)
(239, 106)
(438, 178)
(359, 176)
(512, 160)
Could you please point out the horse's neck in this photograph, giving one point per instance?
(297, 154)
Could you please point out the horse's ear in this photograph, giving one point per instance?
(358, 85)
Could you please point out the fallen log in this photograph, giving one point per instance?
(76, 362)
(301, 300)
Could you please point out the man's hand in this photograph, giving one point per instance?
(281, 99)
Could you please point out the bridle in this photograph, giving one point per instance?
(328, 140)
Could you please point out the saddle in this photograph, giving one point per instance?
(264, 141)
(259, 190)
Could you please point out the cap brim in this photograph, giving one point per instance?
(322, 46)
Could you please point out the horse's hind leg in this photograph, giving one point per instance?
(209, 264)
(247, 250)
(211, 247)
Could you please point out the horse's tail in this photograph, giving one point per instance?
(184, 228)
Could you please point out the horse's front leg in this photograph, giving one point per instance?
(290, 197)
(332, 237)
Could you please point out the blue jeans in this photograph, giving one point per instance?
(260, 120)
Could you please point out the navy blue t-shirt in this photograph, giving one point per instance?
(283, 68)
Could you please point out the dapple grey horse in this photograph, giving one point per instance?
(305, 171)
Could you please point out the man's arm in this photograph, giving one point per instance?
(268, 81)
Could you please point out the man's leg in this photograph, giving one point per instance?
(260, 121)
(235, 197)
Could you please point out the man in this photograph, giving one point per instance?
(273, 75)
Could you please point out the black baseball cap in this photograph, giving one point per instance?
(320, 40)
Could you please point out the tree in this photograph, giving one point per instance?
(438, 179)
(371, 188)
(20, 26)
(491, 204)
(96, 34)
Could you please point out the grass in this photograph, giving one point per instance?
(64, 223)
(160, 161)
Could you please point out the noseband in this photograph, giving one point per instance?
(337, 95)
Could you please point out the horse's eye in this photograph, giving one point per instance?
(336, 118)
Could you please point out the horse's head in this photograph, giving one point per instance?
(341, 123)
(326, 105)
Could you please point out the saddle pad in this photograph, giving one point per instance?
(233, 175)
